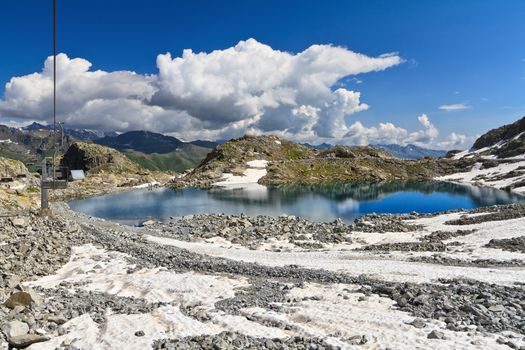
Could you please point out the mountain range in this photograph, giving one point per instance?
(407, 152)
(79, 134)
(153, 151)
(28, 146)
(411, 151)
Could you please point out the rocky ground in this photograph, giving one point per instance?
(232, 340)
(74, 282)
(254, 232)
(515, 244)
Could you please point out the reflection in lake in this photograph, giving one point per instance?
(320, 203)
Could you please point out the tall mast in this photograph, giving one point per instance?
(54, 82)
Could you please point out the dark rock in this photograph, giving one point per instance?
(436, 335)
(418, 323)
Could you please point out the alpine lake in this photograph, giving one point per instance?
(318, 203)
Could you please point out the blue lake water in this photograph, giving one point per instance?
(319, 203)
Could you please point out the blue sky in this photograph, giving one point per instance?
(455, 52)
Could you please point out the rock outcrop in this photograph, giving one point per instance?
(504, 142)
(95, 158)
(503, 133)
(11, 167)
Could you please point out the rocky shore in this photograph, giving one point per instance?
(60, 298)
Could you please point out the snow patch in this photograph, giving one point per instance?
(490, 177)
(147, 184)
(109, 272)
(353, 263)
(256, 171)
(357, 315)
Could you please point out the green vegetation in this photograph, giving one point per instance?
(33, 189)
(322, 170)
(296, 154)
(188, 156)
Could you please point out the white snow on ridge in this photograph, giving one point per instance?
(256, 170)
(495, 177)
(259, 163)
(472, 153)
(147, 184)
(490, 176)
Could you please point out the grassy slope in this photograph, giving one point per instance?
(188, 156)
(319, 170)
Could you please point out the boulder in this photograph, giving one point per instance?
(436, 335)
(15, 329)
(23, 341)
(19, 222)
(35, 297)
(148, 223)
(18, 299)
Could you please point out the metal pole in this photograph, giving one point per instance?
(44, 202)
(54, 84)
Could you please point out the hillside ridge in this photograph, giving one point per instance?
(290, 162)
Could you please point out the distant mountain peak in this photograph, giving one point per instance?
(411, 151)
(79, 134)
(142, 141)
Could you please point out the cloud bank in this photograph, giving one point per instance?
(247, 88)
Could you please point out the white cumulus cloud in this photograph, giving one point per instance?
(247, 87)
(425, 136)
(456, 140)
(388, 133)
(384, 133)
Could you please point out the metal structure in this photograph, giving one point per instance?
(49, 179)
